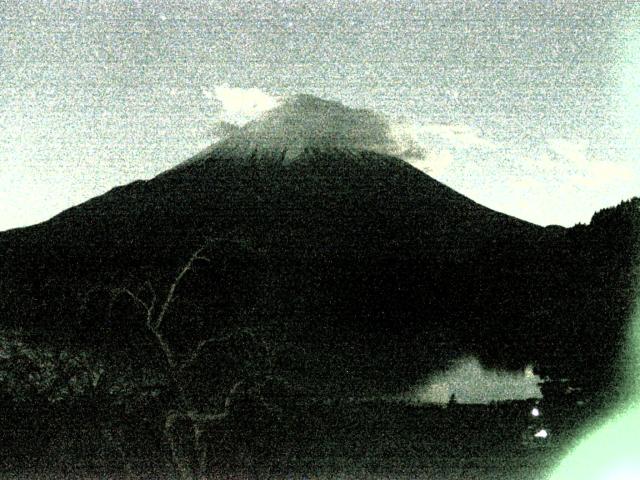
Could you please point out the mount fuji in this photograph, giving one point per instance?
(366, 273)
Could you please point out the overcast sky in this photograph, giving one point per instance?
(531, 108)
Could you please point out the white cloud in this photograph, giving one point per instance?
(471, 383)
(559, 182)
(407, 141)
(460, 136)
(241, 105)
(571, 150)
(304, 120)
(427, 147)
(435, 162)
(403, 142)
(434, 148)
(579, 170)
(445, 145)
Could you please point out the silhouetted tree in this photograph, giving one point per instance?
(199, 419)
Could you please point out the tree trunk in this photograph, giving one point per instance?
(201, 451)
(181, 463)
(190, 463)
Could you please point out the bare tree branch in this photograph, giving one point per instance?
(196, 353)
(165, 347)
(232, 392)
(197, 255)
(199, 348)
(149, 308)
(200, 417)
(125, 291)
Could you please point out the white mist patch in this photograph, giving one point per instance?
(470, 382)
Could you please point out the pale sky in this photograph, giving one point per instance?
(531, 108)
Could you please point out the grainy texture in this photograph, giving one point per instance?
(269, 288)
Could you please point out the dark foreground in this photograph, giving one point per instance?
(350, 440)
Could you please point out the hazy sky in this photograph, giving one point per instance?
(532, 108)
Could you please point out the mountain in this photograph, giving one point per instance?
(362, 272)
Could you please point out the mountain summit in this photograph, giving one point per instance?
(303, 123)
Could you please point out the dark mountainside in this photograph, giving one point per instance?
(360, 273)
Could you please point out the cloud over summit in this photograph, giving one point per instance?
(299, 121)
